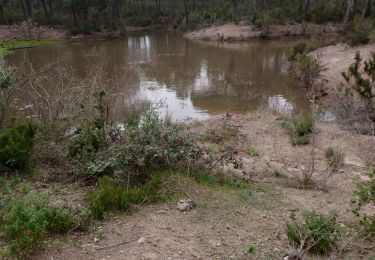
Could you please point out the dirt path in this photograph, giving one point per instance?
(227, 221)
(240, 32)
(336, 59)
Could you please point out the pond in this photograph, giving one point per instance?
(182, 79)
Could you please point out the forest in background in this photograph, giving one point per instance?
(85, 16)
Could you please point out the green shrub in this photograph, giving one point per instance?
(298, 49)
(254, 152)
(335, 158)
(300, 128)
(278, 173)
(308, 70)
(145, 147)
(84, 28)
(365, 193)
(358, 31)
(5, 78)
(91, 135)
(362, 82)
(304, 67)
(111, 196)
(319, 233)
(27, 223)
(16, 146)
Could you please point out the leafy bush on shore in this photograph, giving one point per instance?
(304, 67)
(16, 146)
(147, 145)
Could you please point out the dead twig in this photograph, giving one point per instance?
(115, 245)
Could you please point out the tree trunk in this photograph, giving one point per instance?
(234, 8)
(115, 14)
(366, 9)
(3, 13)
(45, 8)
(306, 7)
(186, 12)
(28, 10)
(50, 8)
(264, 5)
(349, 11)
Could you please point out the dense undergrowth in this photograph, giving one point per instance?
(122, 167)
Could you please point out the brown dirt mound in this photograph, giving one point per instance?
(233, 32)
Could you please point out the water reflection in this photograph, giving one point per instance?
(192, 80)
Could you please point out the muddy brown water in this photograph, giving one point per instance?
(181, 78)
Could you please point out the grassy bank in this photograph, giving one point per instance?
(7, 46)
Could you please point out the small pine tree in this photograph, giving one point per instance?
(363, 81)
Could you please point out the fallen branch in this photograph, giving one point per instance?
(115, 245)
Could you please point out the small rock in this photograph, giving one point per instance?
(141, 240)
(185, 205)
(96, 240)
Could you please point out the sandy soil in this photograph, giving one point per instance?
(226, 222)
(233, 32)
(336, 59)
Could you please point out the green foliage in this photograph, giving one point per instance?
(304, 67)
(317, 233)
(91, 136)
(83, 27)
(5, 78)
(362, 82)
(335, 158)
(28, 222)
(309, 69)
(298, 49)
(251, 249)
(254, 152)
(111, 196)
(365, 193)
(16, 146)
(358, 31)
(7, 46)
(146, 146)
(278, 173)
(300, 128)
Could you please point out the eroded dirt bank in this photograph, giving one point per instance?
(225, 221)
(240, 32)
